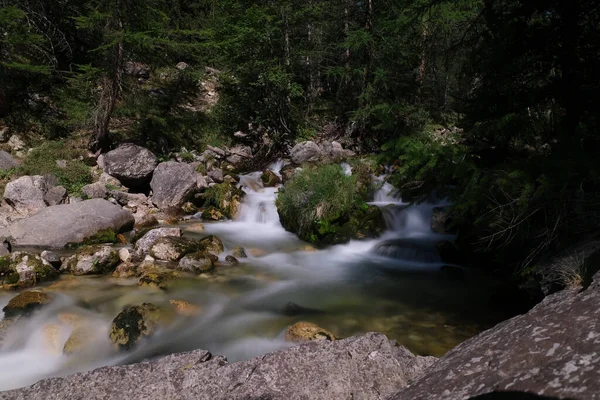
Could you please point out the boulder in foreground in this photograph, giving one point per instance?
(362, 367)
(552, 351)
(61, 225)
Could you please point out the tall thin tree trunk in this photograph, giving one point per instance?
(110, 91)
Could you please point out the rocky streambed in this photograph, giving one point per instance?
(204, 263)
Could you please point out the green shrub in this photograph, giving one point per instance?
(42, 160)
(324, 206)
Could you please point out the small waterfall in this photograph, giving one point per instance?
(409, 250)
(386, 194)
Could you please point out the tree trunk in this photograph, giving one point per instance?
(110, 90)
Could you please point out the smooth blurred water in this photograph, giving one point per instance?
(392, 284)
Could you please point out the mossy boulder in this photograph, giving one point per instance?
(197, 263)
(157, 278)
(213, 244)
(324, 206)
(307, 331)
(174, 248)
(21, 270)
(26, 302)
(92, 260)
(212, 213)
(135, 323)
(80, 339)
(225, 198)
(239, 252)
(269, 178)
(126, 269)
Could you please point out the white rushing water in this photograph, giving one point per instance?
(243, 307)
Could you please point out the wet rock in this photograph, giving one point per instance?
(51, 258)
(31, 269)
(132, 165)
(92, 260)
(197, 227)
(144, 244)
(26, 303)
(26, 194)
(58, 226)
(185, 309)
(197, 263)
(232, 260)
(212, 214)
(212, 244)
(269, 178)
(362, 367)
(7, 161)
(305, 152)
(125, 270)
(173, 184)
(135, 323)
(239, 252)
(80, 339)
(96, 190)
(156, 278)
(307, 331)
(174, 248)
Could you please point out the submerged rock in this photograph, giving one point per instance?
(197, 263)
(307, 331)
(232, 260)
(156, 278)
(362, 367)
(213, 244)
(269, 178)
(26, 302)
(185, 309)
(239, 252)
(61, 225)
(135, 323)
(92, 260)
(174, 248)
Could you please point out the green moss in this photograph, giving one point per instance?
(25, 303)
(101, 237)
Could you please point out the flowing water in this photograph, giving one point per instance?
(392, 285)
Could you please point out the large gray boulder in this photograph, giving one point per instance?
(363, 367)
(553, 350)
(26, 194)
(57, 226)
(144, 244)
(307, 151)
(132, 165)
(173, 184)
(7, 161)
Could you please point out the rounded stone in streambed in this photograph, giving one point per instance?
(307, 331)
(197, 263)
(26, 303)
(135, 323)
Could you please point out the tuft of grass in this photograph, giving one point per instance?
(317, 195)
(568, 271)
(42, 160)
